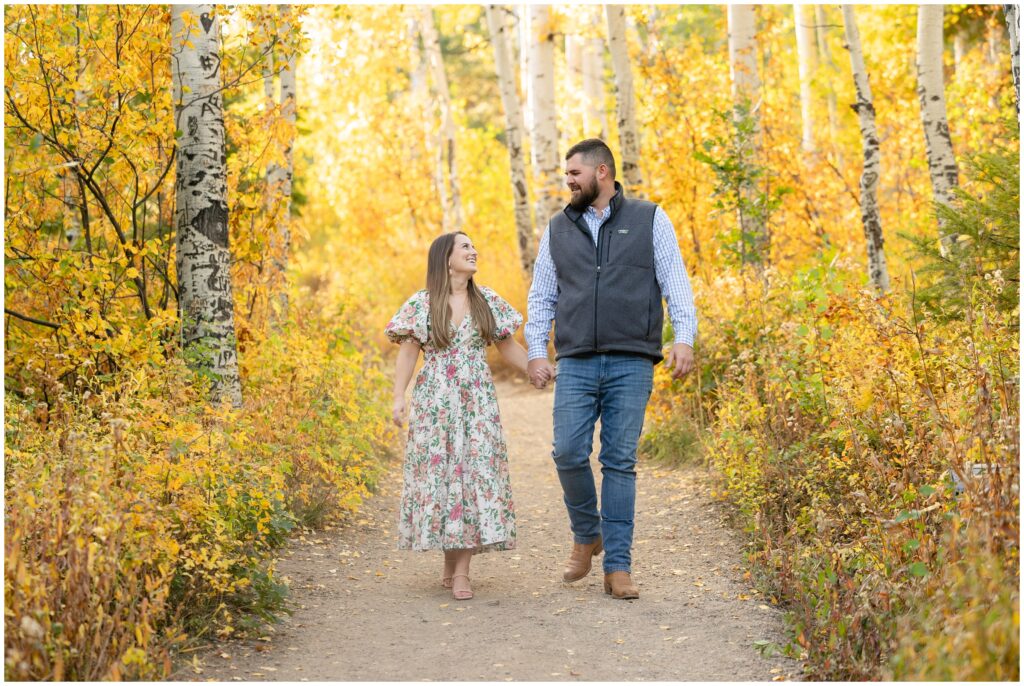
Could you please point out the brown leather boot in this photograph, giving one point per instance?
(580, 560)
(620, 586)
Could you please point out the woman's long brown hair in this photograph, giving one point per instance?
(439, 285)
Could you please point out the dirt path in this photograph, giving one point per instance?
(366, 611)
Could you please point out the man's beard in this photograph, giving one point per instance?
(586, 196)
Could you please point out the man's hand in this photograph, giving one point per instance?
(540, 372)
(680, 360)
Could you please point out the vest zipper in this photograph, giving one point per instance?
(597, 279)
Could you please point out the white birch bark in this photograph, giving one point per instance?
(432, 45)
(746, 92)
(573, 104)
(522, 13)
(281, 180)
(746, 83)
(595, 121)
(1013, 26)
(942, 165)
(267, 49)
(629, 137)
(546, 161)
(573, 62)
(421, 96)
(832, 72)
(878, 271)
(806, 65)
(503, 62)
(993, 40)
(201, 209)
(73, 197)
(959, 48)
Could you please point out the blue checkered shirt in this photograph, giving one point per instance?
(669, 270)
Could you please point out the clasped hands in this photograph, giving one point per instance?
(540, 372)
(679, 360)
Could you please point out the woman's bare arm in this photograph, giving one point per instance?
(408, 353)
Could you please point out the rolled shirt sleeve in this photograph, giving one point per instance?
(670, 272)
(540, 303)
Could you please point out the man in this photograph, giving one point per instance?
(602, 267)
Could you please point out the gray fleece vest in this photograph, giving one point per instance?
(608, 297)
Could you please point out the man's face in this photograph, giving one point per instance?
(582, 181)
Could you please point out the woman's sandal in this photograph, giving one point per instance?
(461, 595)
(446, 581)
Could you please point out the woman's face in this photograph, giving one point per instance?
(463, 257)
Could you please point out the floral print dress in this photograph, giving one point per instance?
(456, 491)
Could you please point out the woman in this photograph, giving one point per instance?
(456, 495)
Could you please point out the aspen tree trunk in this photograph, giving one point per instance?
(993, 39)
(825, 53)
(522, 13)
(73, 196)
(421, 96)
(267, 48)
(546, 161)
(931, 92)
(959, 48)
(201, 209)
(573, 62)
(595, 123)
(878, 271)
(573, 86)
(432, 45)
(1012, 25)
(806, 64)
(629, 138)
(513, 135)
(746, 92)
(281, 180)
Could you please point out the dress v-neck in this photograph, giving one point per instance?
(461, 324)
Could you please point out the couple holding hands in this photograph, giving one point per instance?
(603, 266)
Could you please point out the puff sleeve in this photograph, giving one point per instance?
(410, 322)
(506, 318)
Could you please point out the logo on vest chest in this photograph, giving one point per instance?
(622, 231)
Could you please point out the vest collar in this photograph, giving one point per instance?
(615, 204)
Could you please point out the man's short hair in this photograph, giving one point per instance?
(595, 152)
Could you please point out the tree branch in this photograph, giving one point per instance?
(33, 320)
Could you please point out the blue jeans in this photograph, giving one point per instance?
(614, 387)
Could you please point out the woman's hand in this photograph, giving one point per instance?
(398, 411)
